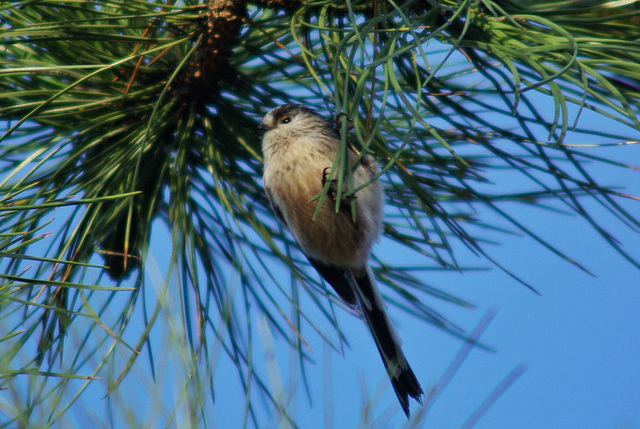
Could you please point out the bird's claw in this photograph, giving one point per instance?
(333, 191)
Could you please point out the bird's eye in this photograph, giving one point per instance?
(285, 120)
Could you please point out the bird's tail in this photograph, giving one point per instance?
(402, 378)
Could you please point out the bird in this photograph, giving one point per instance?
(299, 148)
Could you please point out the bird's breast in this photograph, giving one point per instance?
(324, 234)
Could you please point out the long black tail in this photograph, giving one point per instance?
(402, 378)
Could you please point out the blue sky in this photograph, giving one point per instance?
(575, 345)
(578, 341)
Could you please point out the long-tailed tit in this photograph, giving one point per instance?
(299, 148)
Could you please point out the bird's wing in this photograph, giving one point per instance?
(337, 278)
